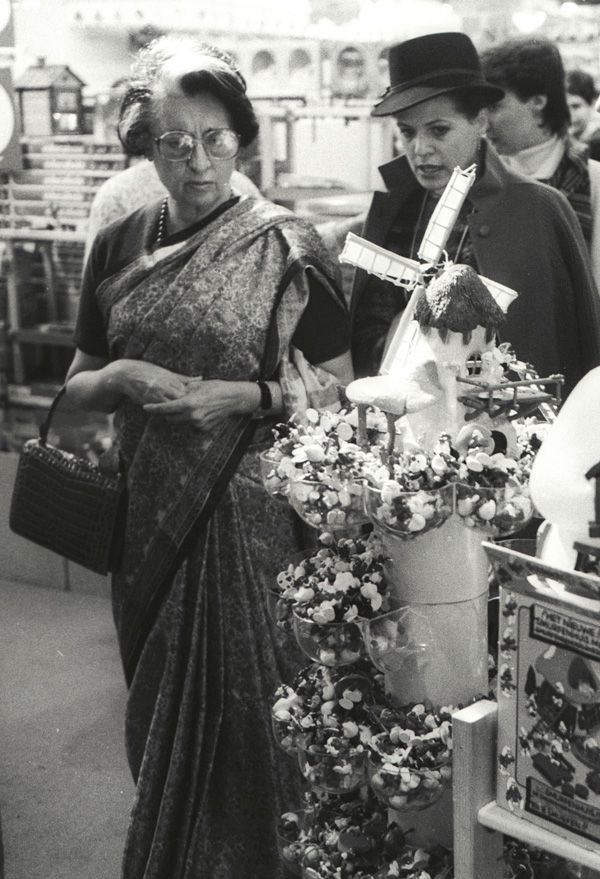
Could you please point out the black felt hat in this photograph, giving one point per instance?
(432, 65)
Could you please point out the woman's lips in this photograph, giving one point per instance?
(428, 170)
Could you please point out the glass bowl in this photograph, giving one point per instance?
(329, 506)
(395, 637)
(274, 479)
(335, 773)
(279, 609)
(331, 644)
(406, 789)
(285, 733)
(290, 844)
(497, 511)
(409, 513)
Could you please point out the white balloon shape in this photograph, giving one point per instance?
(558, 484)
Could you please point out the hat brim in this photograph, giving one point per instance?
(410, 97)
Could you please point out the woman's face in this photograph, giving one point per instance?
(199, 184)
(436, 137)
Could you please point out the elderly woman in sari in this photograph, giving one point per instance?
(204, 319)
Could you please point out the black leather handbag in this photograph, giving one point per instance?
(67, 504)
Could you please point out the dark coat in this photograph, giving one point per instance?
(524, 235)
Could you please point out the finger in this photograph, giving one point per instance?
(166, 407)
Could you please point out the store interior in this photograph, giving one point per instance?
(314, 69)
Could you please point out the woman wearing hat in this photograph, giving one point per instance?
(511, 229)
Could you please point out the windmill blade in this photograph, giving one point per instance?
(382, 263)
(503, 295)
(445, 214)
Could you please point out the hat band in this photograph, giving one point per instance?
(429, 77)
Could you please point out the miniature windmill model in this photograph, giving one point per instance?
(427, 371)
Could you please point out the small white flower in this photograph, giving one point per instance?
(350, 729)
(417, 463)
(304, 595)
(344, 581)
(351, 614)
(369, 590)
(336, 517)
(376, 602)
(390, 490)
(465, 505)
(344, 431)
(325, 613)
(438, 465)
(330, 498)
(315, 453)
(487, 510)
(417, 522)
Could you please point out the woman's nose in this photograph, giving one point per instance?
(422, 145)
(199, 158)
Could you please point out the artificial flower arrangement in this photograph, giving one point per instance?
(410, 763)
(324, 596)
(344, 731)
(341, 700)
(336, 837)
(317, 462)
(418, 491)
(329, 468)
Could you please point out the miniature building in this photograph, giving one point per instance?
(50, 100)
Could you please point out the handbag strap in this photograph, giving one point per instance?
(45, 425)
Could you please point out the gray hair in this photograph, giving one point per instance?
(193, 67)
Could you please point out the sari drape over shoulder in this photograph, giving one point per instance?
(200, 656)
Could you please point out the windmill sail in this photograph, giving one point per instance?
(384, 264)
(445, 215)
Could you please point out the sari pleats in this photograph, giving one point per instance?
(211, 779)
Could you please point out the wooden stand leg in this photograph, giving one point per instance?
(477, 850)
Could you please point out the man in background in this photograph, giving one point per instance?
(582, 95)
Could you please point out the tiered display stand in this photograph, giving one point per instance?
(430, 644)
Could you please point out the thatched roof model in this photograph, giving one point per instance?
(457, 300)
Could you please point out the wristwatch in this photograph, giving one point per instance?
(266, 401)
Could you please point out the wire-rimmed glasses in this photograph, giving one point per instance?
(178, 146)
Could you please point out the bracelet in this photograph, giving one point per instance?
(266, 400)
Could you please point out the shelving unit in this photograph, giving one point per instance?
(479, 822)
(44, 211)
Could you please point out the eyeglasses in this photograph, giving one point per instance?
(178, 146)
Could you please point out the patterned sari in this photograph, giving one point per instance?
(203, 538)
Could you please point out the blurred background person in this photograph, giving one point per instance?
(529, 127)
(205, 318)
(582, 95)
(510, 229)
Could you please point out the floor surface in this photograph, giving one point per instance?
(65, 788)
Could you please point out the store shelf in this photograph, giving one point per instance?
(496, 818)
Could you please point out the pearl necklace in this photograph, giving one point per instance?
(162, 221)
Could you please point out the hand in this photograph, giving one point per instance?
(148, 383)
(205, 403)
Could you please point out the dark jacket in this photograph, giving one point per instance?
(524, 235)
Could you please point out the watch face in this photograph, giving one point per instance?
(4, 13)
(7, 119)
